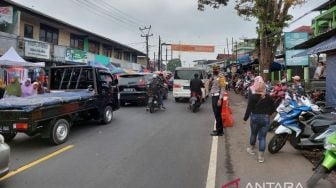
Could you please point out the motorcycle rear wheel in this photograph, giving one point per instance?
(193, 108)
(320, 172)
(151, 108)
(277, 142)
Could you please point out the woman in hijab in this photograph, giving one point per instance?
(35, 88)
(2, 88)
(257, 82)
(260, 106)
(27, 88)
(14, 88)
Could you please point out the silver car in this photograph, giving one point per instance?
(4, 157)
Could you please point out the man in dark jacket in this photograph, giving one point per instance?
(156, 87)
(196, 85)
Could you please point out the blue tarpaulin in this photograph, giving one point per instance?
(47, 99)
(275, 66)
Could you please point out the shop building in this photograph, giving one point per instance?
(38, 37)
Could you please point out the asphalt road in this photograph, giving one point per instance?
(138, 149)
(166, 149)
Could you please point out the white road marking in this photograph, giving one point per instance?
(211, 179)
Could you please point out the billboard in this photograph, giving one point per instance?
(6, 15)
(296, 61)
(294, 38)
(77, 56)
(192, 48)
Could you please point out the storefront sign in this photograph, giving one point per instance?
(294, 38)
(37, 49)
(295, 61)
(77, 56)
(6, 14)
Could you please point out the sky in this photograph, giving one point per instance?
(176, 21)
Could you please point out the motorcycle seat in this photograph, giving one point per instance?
(321, 125)
(325, 116)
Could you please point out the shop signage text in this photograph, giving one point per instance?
(37, 49)
(77, 56)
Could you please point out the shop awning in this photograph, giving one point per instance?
(276, 66)
(324, 46)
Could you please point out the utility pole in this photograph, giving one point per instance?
(166, 54)
(147, 35)
(227, 44)
(232, 50)
(154, 61)
(159, 55)
(236, 51)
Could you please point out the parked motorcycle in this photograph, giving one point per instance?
(327, 164)
(195, 102)
(291, 128)
(239, 86)
(246, 87)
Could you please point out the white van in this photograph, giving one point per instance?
(182, 77)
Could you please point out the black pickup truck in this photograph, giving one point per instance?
(76, 92)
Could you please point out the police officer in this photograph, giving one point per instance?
(217, 91)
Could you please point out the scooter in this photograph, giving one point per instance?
(290, 127)
(327, 164)
(195, 102)
(285, 106)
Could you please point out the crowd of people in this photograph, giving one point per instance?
(25, 89)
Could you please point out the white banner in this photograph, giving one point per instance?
(6, 14)
(37, 49)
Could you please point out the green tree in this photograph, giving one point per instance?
(272, 16)
(173, 64)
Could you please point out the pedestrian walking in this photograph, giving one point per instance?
(260, 106)
(217, 85)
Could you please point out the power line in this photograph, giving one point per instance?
(98, 13)
(107, 12)
(123, 13)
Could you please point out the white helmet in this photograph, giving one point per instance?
(155, 75)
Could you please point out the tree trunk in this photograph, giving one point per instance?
(266, 58)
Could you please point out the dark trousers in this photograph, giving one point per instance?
(217, 112)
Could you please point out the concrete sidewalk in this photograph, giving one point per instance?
(288, 168)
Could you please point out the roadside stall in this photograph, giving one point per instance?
(12, 65)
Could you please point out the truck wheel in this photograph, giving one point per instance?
(59, 131)
(176, 99)
(9, 137)
(107, 115)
